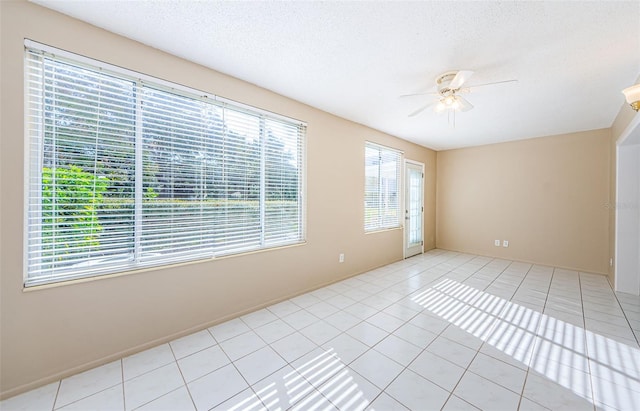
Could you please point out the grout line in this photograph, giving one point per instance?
(586, 346)
(483, 342)
(182, 374)
(372, 347)
(526, 377)
(396, 278)
(124, 397)
(233, 362)
(624, 313)
(440, 335)
(55, 398)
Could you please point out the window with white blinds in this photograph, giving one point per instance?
(127, 173)
(381, 187)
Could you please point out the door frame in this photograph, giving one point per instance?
(405, 204)
(627, 213)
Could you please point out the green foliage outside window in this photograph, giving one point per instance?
(70, 198)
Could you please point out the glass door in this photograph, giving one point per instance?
(414, 209)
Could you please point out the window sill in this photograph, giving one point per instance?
(39, 287)
(383, 230)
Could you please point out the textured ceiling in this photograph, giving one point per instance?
(354, 59)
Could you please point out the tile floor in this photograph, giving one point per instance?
(440, 331)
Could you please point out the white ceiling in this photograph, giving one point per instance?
(354, 59)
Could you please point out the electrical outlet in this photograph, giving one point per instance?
(341, 258)
(497, 243)
(505, 243)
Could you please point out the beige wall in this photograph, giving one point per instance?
(52, 332)
(547, 196)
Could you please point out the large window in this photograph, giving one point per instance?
(126, 173)
(382, 187)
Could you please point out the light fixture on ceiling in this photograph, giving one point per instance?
(632, 95)
(448, 99)
(450, 102)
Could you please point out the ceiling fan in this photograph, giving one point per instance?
(450, 87)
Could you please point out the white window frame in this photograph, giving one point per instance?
(382, 200)
(33, 169)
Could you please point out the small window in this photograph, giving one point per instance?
(127, 173)
(382, 187)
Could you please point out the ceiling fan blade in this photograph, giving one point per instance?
(460, 79)
(464, 103)
(489, 84)
(421, 109)
(419, 94)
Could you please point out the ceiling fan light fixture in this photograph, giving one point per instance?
(632, 94)
(449, 87)
(449, 102)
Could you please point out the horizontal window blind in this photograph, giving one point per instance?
(382, 187)
(125, 173)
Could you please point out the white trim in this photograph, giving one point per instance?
(80, 63)
(369, 142)
(635, 122)
(138, 180)
(145, 78)
(302, 192)
(263, 178)
(631, 129)
(399, 181)
(404, 205)
(27, 173)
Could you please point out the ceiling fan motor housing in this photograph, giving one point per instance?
(443, 81)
